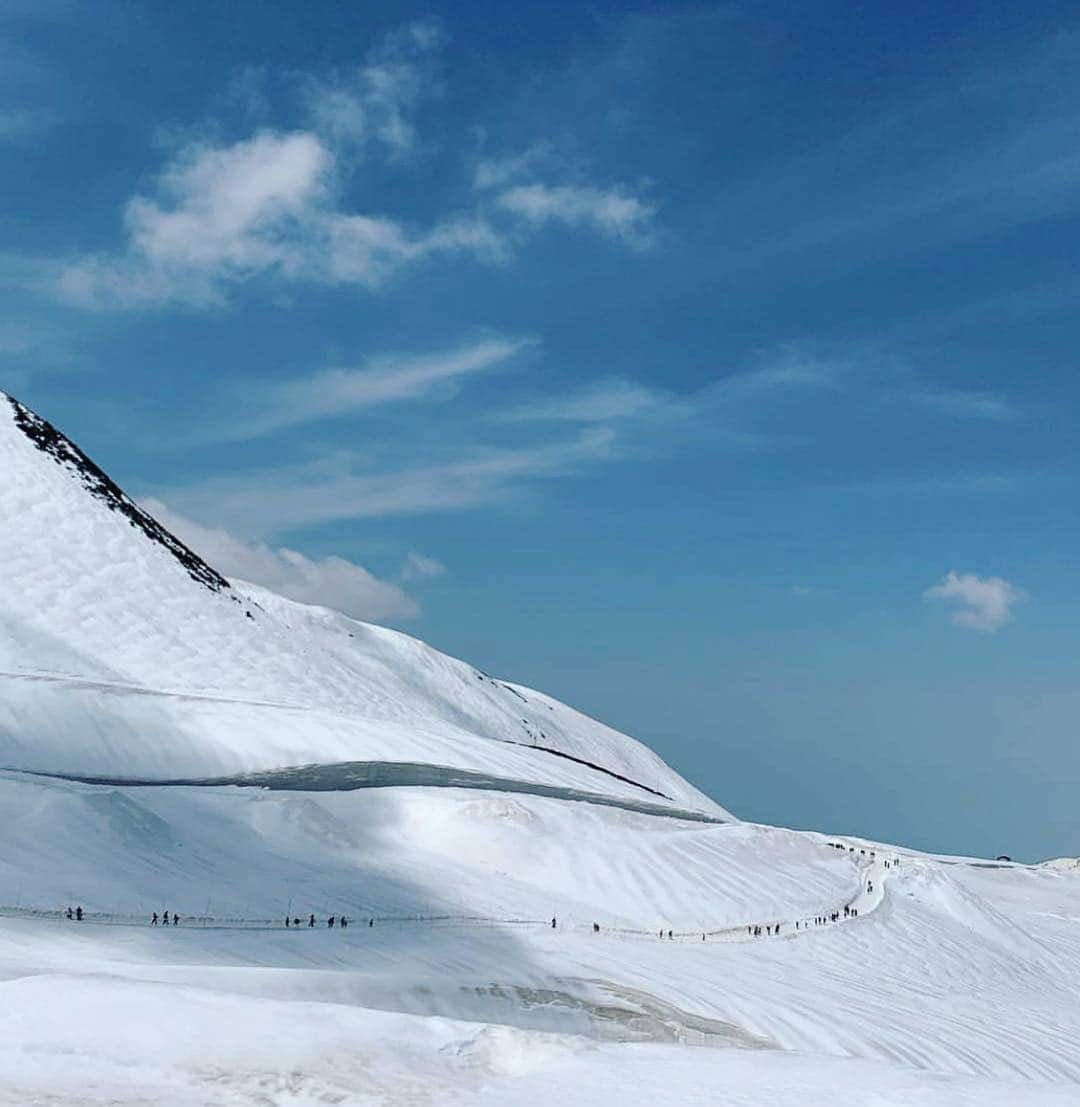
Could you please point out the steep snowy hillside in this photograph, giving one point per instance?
(123, 654)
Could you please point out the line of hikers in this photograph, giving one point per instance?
(754, 930)
(555, 923)
(334, 920)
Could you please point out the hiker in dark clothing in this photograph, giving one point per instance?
(311, 920)
(70, 913)
(344, 922)
(371, 923)
(286, 922)
(671, 934)
(78, 914)
(175, 918)
(596, 928)
(330, 922)
(165, 918)
(154, 919)
(553, 922)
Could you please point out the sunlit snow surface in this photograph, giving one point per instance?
(957, 983)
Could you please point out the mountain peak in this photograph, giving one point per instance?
(57, 446)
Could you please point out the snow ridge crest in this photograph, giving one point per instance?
(101, 486)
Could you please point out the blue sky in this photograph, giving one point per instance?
(709, 367)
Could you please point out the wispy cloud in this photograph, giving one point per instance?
(615, 213)
(981, 603)
(418, 567)
(499, 172)
(368, 250)
(373, 102)
(328, 581)
(341, 488)
(539, 189)
(603, 402)
(383, 380)
(21, 124)
(274, 205)
(965, 404)
(990, 149)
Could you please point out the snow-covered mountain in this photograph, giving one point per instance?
(172, 740)
(122, 653)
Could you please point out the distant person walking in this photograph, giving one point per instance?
(311, 920)
(154, 919)
(78, 914)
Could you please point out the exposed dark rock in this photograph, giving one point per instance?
(64, 452)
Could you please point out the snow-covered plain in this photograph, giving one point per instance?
(124, 657)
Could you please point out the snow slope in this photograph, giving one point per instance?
(126, 659)
(122, 653)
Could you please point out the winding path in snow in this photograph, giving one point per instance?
(867, 899)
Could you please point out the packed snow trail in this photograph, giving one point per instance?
(869, 897)
(347, 776)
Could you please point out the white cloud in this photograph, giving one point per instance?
(498, 172)
(615, 213)
(371, 104)
(224, 213)
(966, 404)
(605, 401)
(262, 206)
(985, 603)
(418, 567)
(329, 581)
(383, 380)
(304, 495)
(369, 250)
(271, 205)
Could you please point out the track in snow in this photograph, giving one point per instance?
(864, 900)
(347, 776)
